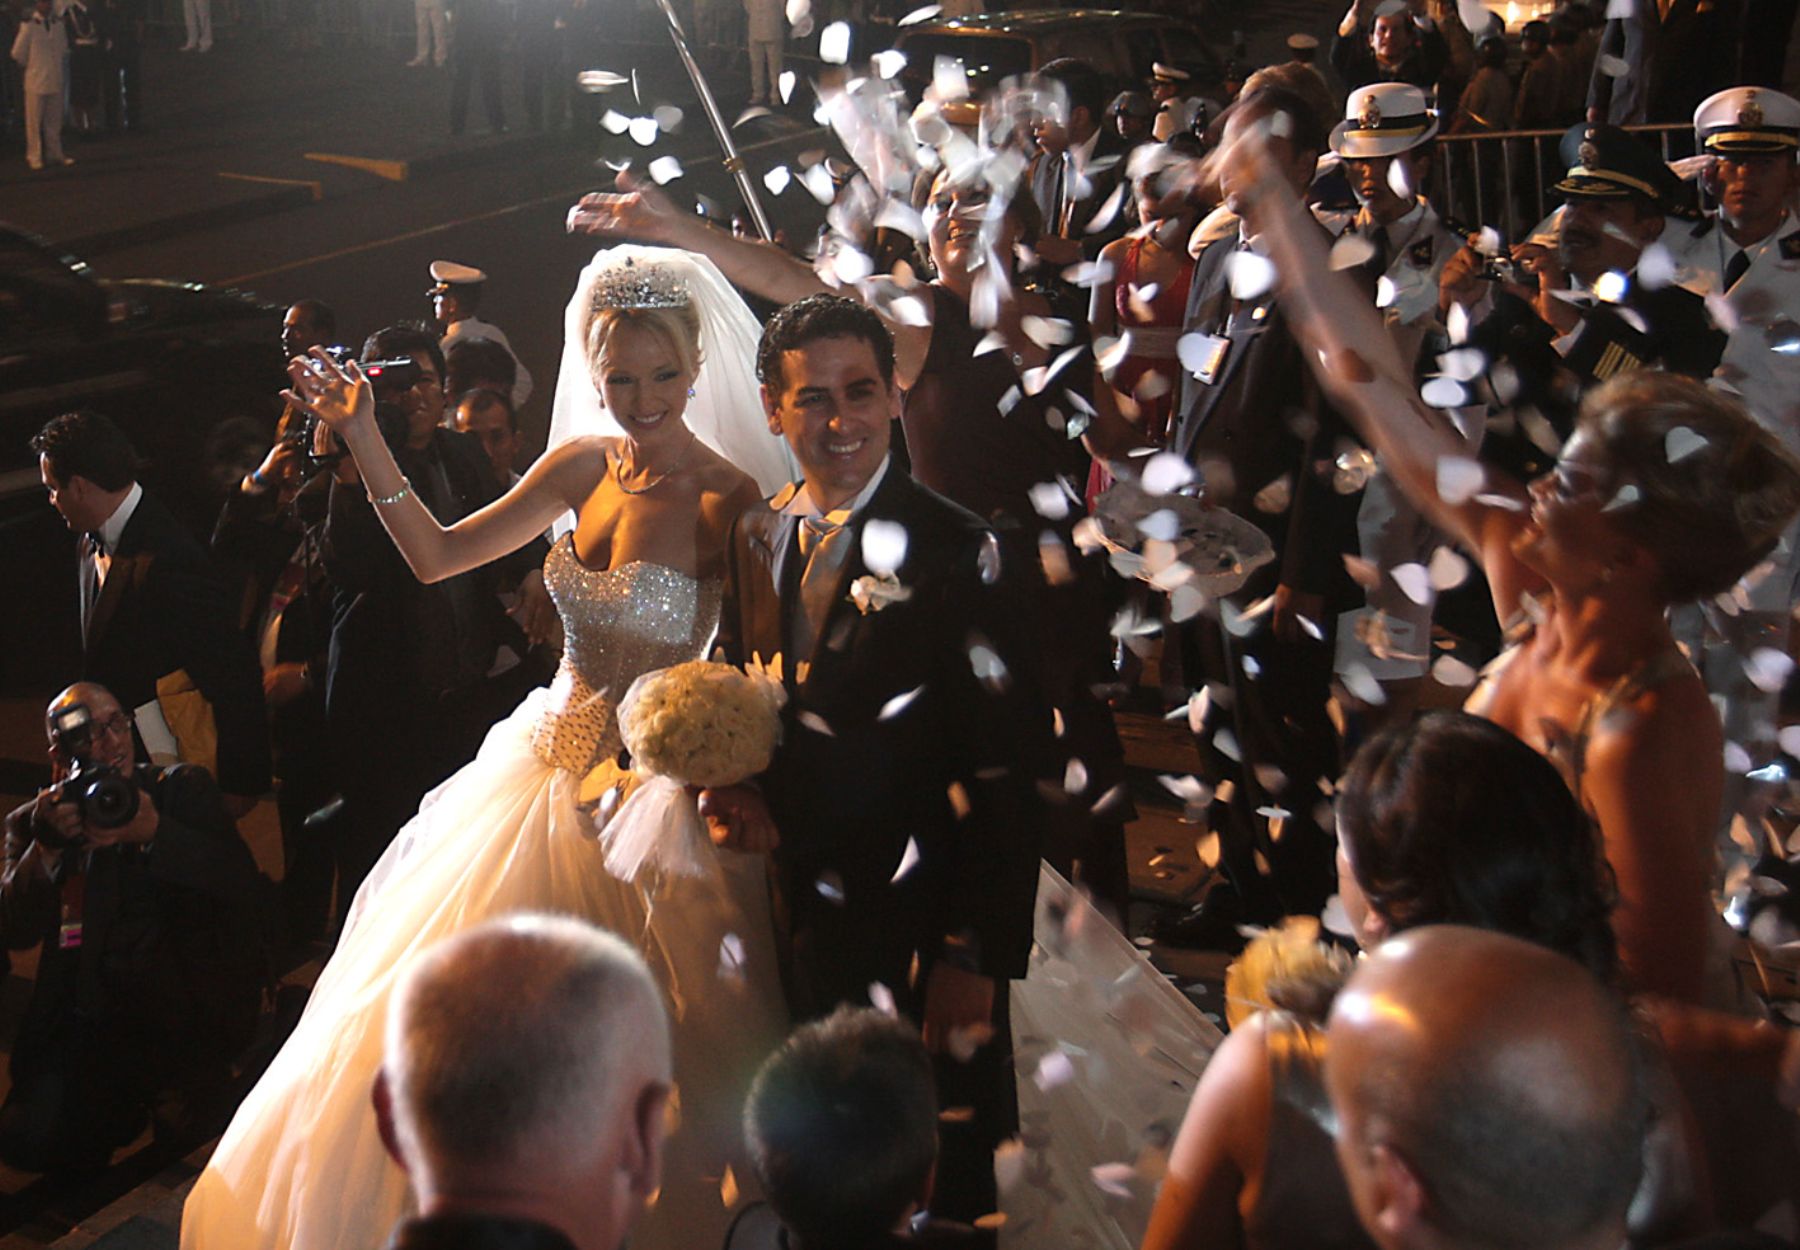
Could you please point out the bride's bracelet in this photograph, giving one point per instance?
(384, 500)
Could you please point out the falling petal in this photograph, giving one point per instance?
(1225, 743)
(993, 1219)
(1458, 479)
(830, 886)
(728, 1189)
(1207, 848)
(1456, 324)
(1768, 669)
(1452, 672)
(909, 860)
(989, 668)
(1613, 67)
(1054, 1069)
(614, 122)
(786, 83)
(924, 14)
(1009, 401)
(834, 43)
(1414, 582)
(1276, 496)
(1251, 274)
(798, 11)
(1075, 777)
(1448, 569)
(949, 80)
(959, 799)
(1046, 332)
(1385, 290)
(594, 81)
(1681, 442)
(664, 170)
(881, 998)
(817, 179)
(899, 703)
(1114, 1178)
(1050, 501)
(1442, 392)
(668, 118)
(1362, 684)
(731, 958)
(1352, 250)
(777, 179)
(643, 131)
(1364, 573)
(1463, 363)
(813, 721)
(1655, 268)
(1165, 473)
(988, 560)
(1400, 180)
(889, 62)
(883, 546)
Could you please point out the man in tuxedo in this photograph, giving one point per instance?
(900, 806)
(158, 620)
(1077, 174)
(1675, 53)
(1264, 440)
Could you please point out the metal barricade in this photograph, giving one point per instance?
(1504, 178)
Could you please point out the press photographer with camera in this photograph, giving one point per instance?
(148, 908)
(407, 694)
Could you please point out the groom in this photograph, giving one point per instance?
(901, 805)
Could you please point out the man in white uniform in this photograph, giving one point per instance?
(455, 295)
(40, 48)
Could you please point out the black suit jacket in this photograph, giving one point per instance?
(1262, 423)
(1671, 63)
(891, 738)
(1104, 173)
(166, 607)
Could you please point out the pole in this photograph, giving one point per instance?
(733, 162)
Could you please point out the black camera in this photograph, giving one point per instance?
(389, 377)
(106, 797)
(1501, 269)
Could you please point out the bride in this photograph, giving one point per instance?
(650, 468)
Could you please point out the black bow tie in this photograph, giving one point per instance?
(96, 542)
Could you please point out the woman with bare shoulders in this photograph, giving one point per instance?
(989, 423)
(1666, 493)
(660, 351)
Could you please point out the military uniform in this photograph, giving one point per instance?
(446, 275)
(1387, 119)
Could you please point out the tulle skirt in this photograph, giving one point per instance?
(302, 1164)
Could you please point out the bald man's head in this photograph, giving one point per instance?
(109, 740)
(529, 1057)
(1488, 1096)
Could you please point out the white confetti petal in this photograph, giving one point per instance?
(664, 170)
(1768, 669)
(614, 122)
(1114, 1178)
(899, 703)
(1251, 274)
(1414, 581)
(1613, 67)
(909, 860)
(883, 546)
(1458, 479)
(643, 131)
(1463, 363)
(668, 118)
(1448, 569)
(818, 724)
(1443, 392)
(881, 998)
(818, 181)
(1050, 501)
(1165, 473)
(1054, 1069)
(786, 83)
(1611, 286)
(888, 62)
(1450, 671)
(1162, 525)
(1352, 250)
(1655, 268)
(597, 80)
(1681, 442)
(1075, 777)
(834, 43)
(921, 15)
(830, 886)
(777, 179)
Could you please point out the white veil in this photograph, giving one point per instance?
(725, 412)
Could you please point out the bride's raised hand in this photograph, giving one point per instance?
(339, 395)
(639, 210)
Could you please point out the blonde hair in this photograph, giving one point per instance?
(678, 327)
(1709, 503)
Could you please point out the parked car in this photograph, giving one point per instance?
(1122, 46)
(191, 372)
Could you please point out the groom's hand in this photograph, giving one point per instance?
(738, 820)
(956, 1002)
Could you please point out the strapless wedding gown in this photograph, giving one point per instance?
(302, 1164)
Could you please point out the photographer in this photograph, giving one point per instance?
(407, 695)
(145, 902)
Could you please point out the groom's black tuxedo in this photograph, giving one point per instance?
(862, 770)
(890, 738)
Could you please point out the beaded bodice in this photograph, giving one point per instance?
(617, 625)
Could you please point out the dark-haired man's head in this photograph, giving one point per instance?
(1086, 92)
(309, 323)
(489, 416)
(842, 1127)
(87, 465)
(1391, 35)
(474, 362)
(1295, 136)
(1487, 1095)
(422, 402)
(827, 370)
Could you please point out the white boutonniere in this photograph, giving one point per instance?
(871, 594)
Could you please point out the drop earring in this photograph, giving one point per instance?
(690, 392)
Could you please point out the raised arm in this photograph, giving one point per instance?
(1356, 361)
(642, 212)
(561, 479)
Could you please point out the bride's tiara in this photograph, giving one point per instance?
(632, 285)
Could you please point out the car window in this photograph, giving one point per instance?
(39, 293)
(1145, 50)
(1093, 44)
(1183, 47)
(987, 59)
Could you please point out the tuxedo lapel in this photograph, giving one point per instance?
(126, 568)
(834, 639)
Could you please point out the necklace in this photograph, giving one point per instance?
(660, 478)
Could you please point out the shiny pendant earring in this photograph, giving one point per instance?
(690, 392)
